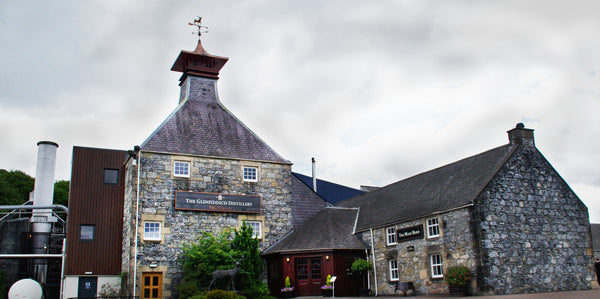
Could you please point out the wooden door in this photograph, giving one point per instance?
(309, 278)
(151, 285)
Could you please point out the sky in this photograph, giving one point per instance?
(376, 91)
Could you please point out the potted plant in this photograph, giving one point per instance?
(362, 267)
(288, 290)
(327, 288)
(458, 278)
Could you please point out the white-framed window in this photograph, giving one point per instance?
(437, 270)
(181, 168)
(152, 231)
(393, 270)
(256, 228)
(390, 234)
(250, 173)
(433, 227)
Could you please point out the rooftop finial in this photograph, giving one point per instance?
(198, 24)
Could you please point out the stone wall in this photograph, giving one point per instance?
(534, 231)
(455, 244)
(157, 197)
(129, 221)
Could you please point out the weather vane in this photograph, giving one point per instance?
(197, 23)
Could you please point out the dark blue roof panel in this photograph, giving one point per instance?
(329, 191)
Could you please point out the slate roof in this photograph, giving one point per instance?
(305, 202)
(331, 192)
(203, 126)
(595, 228)
(448, 187)
(331, 228)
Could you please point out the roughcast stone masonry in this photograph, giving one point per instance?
(523, 231)
(456, 242)
(534, 231)
(157, 197)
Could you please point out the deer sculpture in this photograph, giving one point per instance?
(220, 274)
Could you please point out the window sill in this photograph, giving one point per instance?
(152, 241)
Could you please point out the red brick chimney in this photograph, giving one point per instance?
(521, 135)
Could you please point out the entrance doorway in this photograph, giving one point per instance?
(152, 285)
(309, 276)
(88, 286)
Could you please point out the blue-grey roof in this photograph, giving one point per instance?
(331, 192)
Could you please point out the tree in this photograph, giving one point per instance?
(209, 253)
(15, 187)
(219, 252)
(61, 193)
(246, 247)
(362, 267)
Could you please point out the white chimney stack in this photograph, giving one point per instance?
(43, 191)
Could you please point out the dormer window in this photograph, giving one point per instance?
(250, 173)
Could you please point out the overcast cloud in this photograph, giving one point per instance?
(376, 91)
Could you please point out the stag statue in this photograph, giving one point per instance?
(220, 274)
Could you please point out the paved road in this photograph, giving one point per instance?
(588, 294)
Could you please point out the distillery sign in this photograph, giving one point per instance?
(217, 202)
(410, 233)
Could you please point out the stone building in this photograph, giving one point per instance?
(201, 170)
(595, 228)
(506, 214)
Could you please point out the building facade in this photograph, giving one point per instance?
(201, 170)
(506, 214)
(93, 247)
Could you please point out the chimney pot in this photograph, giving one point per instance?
(521, 135)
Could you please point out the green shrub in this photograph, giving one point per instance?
(221, 294)
(188, 290)
(457, 276)
(287, 282)
(257, 291)
(361, 265)
(222, 251)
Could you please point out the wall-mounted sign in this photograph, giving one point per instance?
(217, 202)
(410, 233)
